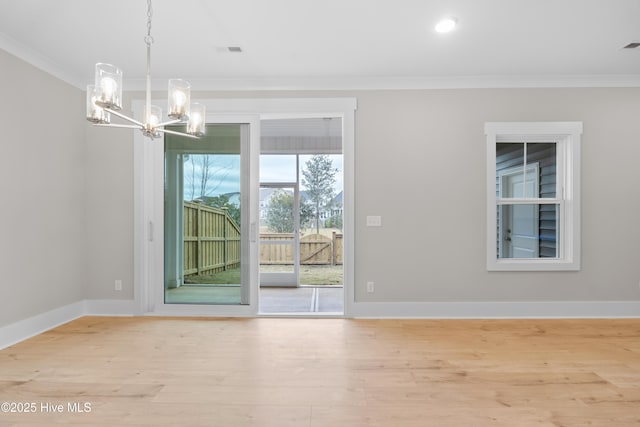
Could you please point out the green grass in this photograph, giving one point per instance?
(222, 278)
(321, 275)
(317, 275)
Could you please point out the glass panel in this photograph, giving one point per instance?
(277, 228)
(336, 164)
(528, 231)
(314, 282)
(542, 158)
(202, 218)
(539, 178)
(509, 166)
(276, 210)
(321, 230)
(276, 257)
(278, 168)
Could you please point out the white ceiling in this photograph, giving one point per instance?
(325, 44)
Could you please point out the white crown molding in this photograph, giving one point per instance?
(38, 60)
(44, 63)
(399, 83)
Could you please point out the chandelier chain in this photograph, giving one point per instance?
(104, 99)
(148, 38)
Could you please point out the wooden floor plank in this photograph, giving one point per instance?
(326, 372)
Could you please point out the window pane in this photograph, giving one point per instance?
(527, 231)
(539, 179)
(541, 157)
(202, 213)
(278, 168)
(509, 168)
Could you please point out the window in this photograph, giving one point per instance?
(533, 196)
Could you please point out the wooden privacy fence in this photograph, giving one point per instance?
(211, 240)
(315, 249)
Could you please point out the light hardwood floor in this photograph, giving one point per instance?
(326, 373)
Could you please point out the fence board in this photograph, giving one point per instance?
(337, 249)
(315, 249)
(211, 240)
(212, 243)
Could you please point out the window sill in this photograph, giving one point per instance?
(532, 265)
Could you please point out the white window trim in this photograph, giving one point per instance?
(567, 135)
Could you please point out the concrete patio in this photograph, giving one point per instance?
(304, 299)
(273, 300)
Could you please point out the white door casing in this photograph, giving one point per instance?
(149, 195)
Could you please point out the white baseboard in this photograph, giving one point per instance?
(112, 307)
(27, 328)
(497, 310)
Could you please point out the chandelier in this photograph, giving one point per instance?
(104, 98)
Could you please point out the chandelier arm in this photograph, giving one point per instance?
(122, 116)
(116, 125)
(169, 122)
(178, 133)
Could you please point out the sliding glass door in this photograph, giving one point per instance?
(206, 217)
(167, 200)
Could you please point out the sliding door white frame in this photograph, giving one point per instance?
(149, 197)
(149, 225)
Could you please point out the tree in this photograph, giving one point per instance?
(279, 215)
(279, 212)
(306, 213)
(335, 221)
(319, 178)
(208, 172)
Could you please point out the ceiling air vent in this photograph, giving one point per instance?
(632, 45)
(238, 49)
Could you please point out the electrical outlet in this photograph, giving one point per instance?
(118, 285)
(370, 287)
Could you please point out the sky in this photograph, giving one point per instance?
(225, 172)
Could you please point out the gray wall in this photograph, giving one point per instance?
(434, 198)
(43, 248)
(109, 205)
(420, 164)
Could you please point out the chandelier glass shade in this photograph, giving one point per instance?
(104, 100)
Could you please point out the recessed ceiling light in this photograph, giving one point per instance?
(446, 25)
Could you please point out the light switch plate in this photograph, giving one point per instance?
(374, 221)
